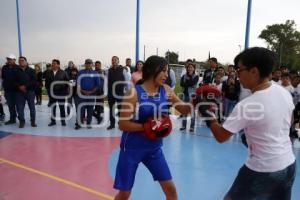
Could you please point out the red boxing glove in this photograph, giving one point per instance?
(208, 92)
(206, 99)
(157, 128)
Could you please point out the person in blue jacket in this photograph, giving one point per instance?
(150, 97)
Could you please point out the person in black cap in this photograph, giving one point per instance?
(88, 83)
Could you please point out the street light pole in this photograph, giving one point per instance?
(137, 37)
(240, 46)
(248, 24)
(144, 53)
(19, 29)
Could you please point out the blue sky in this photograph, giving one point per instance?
(98, 29)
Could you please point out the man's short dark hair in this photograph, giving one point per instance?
(56, 60)
(97, 62)
(277, 69)
(23, 58)
(283, 66)
(214, 59)
(285, 75)
(261, 58)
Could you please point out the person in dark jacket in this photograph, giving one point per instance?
(69, 70)
(231, 90)
(72, 90)
(99, 107)
(189, 83)
(26, 85)
(115, 90)
(39, 84)
(210, 73)
(47, 77)
(2, 114)
(9, 76)
(59, 83)
(70, 67)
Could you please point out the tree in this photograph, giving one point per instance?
(284, 40)
(171, 57)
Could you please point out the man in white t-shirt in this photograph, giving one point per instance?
(269, 171)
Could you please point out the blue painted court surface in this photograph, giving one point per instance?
(201, 167)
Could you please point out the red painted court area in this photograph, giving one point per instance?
(47, 168)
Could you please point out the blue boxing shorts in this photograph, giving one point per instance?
(128, 163)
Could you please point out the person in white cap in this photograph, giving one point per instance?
(8, 77)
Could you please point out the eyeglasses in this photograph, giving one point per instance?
(239, 70)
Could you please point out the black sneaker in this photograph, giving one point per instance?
(9, 122)
(63, 123)
(182, 128)
(52, 124)
(191, 129)
(89, 126)
(22, 125)
(77, 127)
(33, 124)
(2, 117)
(110, 127)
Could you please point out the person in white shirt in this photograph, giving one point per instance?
(286, 83)
(217, 82)
(269, 171)
(221, 72)
(296, 99)
(295, 83)
(276, 76)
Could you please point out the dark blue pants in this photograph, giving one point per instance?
(250, 185)
(86, 107)
(11, 103)
(228, 106)
(21, 99)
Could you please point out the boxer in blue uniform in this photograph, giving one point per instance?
(147, 100)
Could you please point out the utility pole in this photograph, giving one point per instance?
(137, 36)
(248, 24)
(19, 29)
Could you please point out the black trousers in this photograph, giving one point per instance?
(112, 102)
(61, 104)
